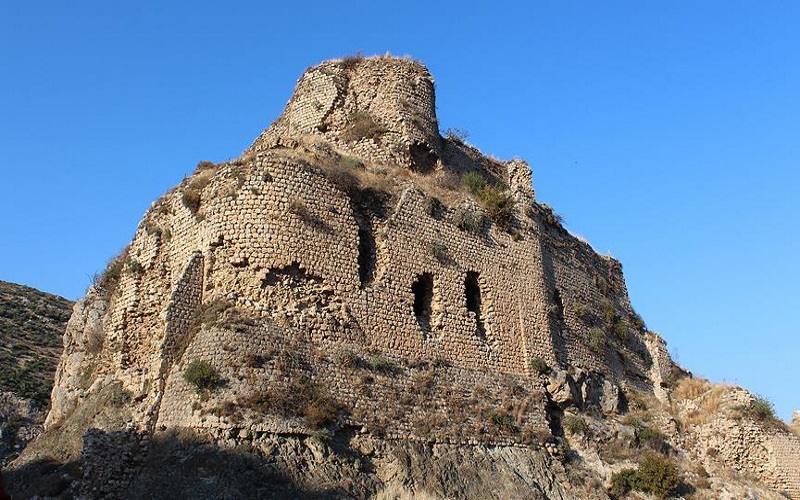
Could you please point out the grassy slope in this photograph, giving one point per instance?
(31, 327)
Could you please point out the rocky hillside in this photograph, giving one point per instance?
(32, 325)
(361, 306)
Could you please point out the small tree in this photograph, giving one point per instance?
(202, 376)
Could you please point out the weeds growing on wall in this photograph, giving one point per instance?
(761, 410)
(362, 125)
(539, 366)
(300, 397)
(470, 221)
(597, 338)
(202, 175)
(202, 375)
(550, 216)
(439, 252)
(456, 134)
(298, 208)
(497, 202)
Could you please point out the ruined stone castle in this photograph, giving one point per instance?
(354, 252)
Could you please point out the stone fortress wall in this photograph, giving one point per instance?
(324, 270)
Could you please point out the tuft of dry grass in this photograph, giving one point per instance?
(690, 389)
(362, 125)
(707, 398)
(200, 179)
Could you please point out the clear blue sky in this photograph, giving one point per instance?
(666, 133)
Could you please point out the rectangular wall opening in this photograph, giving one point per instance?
(423, 300)
(366, 256)
(472, 289)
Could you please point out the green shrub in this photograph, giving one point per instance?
(202, 376)
(621, 330)
(298, 208)
(135, 267)
(609, 311)
(597, 338)
(299, 398)
(622, 482)
(347, 357)
(475, 182)
(471, 221)
(351, 162)
(439, 252)
(501, 420)
(638, 322)
(108, 280)
(759, 409)
(594, 411)
(539, 366)
(380, 364)
(321, 435)
(657, 475)
(581, 310)
(650, 438)
(574, 424)
(499, 204)
(434, 207)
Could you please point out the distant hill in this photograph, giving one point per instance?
(32, 324)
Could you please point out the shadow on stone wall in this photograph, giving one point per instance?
(171, 466)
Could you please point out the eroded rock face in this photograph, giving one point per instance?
(83, 340)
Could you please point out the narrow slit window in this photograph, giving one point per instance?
(366, 256)
(423, 299)
(557, 306)
(472, 288)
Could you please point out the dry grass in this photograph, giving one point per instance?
(362, 125)
(442, 184)
(690, 389)
(706, 396)
(200, 179)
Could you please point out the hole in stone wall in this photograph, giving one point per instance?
(423, 299)
(472, 288)
(557, 305)
(366, 256)
(423, 159)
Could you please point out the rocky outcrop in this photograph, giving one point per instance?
(83, 340)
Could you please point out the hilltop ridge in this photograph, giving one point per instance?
(31, 328)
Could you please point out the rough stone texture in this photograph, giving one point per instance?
(323, 257)
(20, 422)
(767, 451)
(72, 376)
